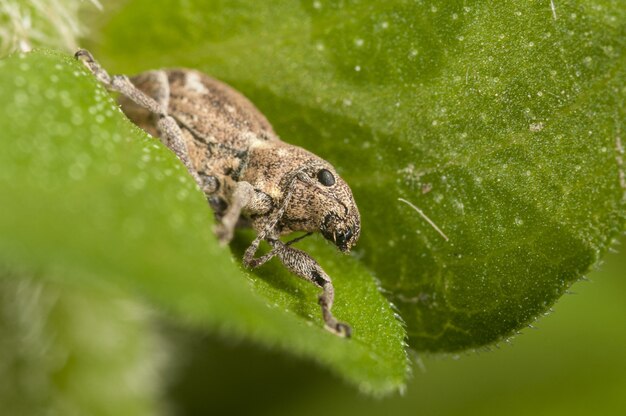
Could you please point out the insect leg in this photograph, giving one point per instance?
(242, 196)
(303, 265)
(253, 263)
(269, 230)
(168, 127)
(166, 124)
(119, 83)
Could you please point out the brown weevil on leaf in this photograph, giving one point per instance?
(250, 176)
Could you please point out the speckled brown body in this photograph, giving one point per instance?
(250, 176)
(229, 139)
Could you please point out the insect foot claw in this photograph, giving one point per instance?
(250, 264)
(84, 54)
(344, 330)
(340, 329)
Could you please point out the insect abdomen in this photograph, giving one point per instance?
(216, 112)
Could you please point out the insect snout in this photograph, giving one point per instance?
(343, 238)
(343, 234)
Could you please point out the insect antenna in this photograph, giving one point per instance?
(295, 240)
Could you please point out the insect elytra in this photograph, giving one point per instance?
(250, 177)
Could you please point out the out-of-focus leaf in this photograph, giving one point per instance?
(73, 350)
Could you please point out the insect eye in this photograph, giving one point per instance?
(325, 177)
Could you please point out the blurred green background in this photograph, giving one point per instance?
(572, 363)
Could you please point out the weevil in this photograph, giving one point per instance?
(249, 176)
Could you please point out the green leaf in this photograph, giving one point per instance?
(500, 120)
(89, 198)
